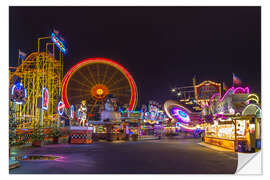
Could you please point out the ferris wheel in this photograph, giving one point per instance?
(94, 79)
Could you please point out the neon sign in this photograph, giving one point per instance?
(60, 108)
(206, 89)
(19, 93)
(45, 98)
(71, 111)
(238, 90)
(59, 43)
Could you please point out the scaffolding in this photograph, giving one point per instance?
(39, 69)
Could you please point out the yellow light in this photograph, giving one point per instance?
(99, 91)
(229, 144)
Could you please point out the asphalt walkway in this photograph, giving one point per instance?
(176, 156)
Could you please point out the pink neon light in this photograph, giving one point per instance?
(231, 89)
(221, 116)
(235, 91)
(241, 90)
(212, 98)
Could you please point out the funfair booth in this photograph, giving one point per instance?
(233, 121)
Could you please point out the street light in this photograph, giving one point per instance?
(179, 94)
(173, 90)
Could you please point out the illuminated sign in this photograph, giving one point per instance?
(153, 110)
(45, 98)
(18, 93)
(206, 89)
(59, 43)
(60, 108)
(71, 111)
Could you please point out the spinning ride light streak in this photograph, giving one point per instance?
(178, 112)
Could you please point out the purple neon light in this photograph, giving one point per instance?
(221, 116)
(181, 115)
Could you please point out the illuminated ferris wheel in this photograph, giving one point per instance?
(94, 79)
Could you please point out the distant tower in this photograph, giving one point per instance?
(194, 81)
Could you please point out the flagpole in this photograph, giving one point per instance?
(233, 80)
(18, 57)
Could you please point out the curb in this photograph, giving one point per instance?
(217, 148)
(13, 164)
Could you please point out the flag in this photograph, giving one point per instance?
(236, 80)
(56, 32)
(22, 55)
(62, 39)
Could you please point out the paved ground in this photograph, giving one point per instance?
(178, 156)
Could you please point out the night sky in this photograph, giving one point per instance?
(162, 47)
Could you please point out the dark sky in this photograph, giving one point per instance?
(162, 47)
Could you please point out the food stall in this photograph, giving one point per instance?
(233, 121)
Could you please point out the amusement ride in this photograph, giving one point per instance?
(39, 70)
(94, 79)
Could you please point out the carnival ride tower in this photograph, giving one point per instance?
(39, 70)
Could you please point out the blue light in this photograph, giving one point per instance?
(182, 114)
(60, 108)
(59, 43)
(178, 124)
(72, 111)
(18, 87)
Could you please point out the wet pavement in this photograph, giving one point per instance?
(176, 156)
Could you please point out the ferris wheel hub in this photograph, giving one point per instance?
(99, 91)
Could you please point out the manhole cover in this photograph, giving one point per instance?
(33, 157)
